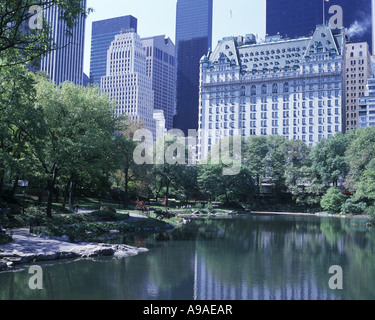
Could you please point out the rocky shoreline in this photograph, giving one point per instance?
(27, 248)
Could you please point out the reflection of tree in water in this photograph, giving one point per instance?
(272, 252)
(267, 251)
(356, 242)
(171, 265)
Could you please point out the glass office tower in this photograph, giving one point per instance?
(65, 63)
(193, 40)
(294, 19)
(103, 33)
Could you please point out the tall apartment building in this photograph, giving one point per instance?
(161, 69)
(66, 62)
(293, 88)
(366, 116)
(291, 18)
(103, 33)
(126, 80)
(358, 70)
(193, 40)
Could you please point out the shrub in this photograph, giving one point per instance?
(4, 238)
(332, 200)
(351, 207)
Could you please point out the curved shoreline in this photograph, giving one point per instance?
(26, 248)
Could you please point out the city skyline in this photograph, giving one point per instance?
(228, 19)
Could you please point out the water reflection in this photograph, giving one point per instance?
(254, 257)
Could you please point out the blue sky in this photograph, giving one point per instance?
(159, 17)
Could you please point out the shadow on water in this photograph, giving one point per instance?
(242, 258)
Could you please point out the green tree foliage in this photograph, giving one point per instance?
(333, 200)
(255, 151)
(328, 159)
(19, 122)
(78, 133)
(16, 37)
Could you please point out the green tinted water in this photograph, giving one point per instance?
(242, 258)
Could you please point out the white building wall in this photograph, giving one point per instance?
(300, 96)
(127, 82)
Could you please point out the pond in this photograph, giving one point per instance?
(267, 257)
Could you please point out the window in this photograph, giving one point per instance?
(274, 88)
(286, 87)
(264, 89)
(253, 90)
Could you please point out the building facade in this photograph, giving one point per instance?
(294, 19)
(103, 33)
(161, 69)
(293, 88)
(126, 80)
(366, 115)
(358, 71)
(193, 40)
(66, 62)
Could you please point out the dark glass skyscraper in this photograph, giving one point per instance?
(193, 40)
(103, 33)
(292, 18)
(66, 62)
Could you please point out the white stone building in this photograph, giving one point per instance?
(127, 82)
(293, 88)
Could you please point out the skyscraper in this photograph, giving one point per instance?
(126, 80)
(193, 40)
(65, 63)
(161, 69)
(103, 33)
(358, 71)
(293, 18)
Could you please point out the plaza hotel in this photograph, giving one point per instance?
(289, 87)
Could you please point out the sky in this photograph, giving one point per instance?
(158, 17)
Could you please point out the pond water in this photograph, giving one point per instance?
(267, 257)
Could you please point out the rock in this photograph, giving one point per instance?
(114, 231)
(47, 256)
(67, 255)
(3, 265)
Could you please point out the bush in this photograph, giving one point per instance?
(350, 207)
(333, 200)
(4, 238)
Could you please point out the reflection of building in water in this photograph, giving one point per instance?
(207, 286)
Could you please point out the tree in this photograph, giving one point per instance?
(328, 159)
(333, 200)
(78, 140)
(16, 37)
(255, 150)
(218, 186)
(19, 123)
(360, 153)
(275, 162)
(168, 168)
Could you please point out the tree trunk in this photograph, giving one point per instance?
(167, 193)
(71, 194)
(51, 185)
(14, 188)
(41, 194)
(126, 169)
(258, 189)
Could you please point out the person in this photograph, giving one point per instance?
(76, 209)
